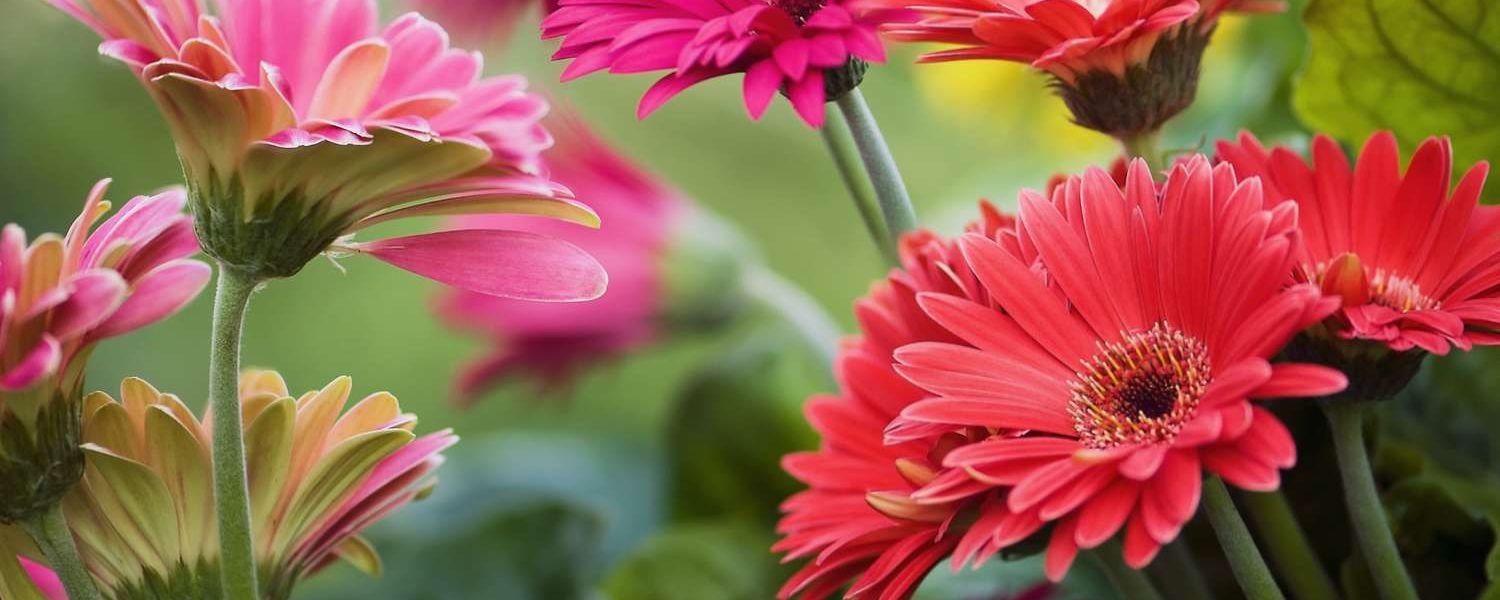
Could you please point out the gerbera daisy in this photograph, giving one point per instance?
(319, 476)
(858, 524)
(59, 296)
(1416, 265)
(1114, 380)
(1123, 67)
(300, 123)
(813, 51)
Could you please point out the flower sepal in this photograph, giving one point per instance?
(1144, 96)
(268, 244)
(1375, 371)
(40, 458)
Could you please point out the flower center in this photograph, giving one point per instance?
(1398, 293)
(800, 10)
(1347, 277)
(1141, 389)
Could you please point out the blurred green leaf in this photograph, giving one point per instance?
(734, 422)
(1445, 525)
(720, 560)
(1419, 68)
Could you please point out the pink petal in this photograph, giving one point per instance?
(158, 295)
(1301, 380)
(42, 361)
(507, 264)
(46, 581)
(93, 297)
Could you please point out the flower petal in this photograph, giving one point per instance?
(506, 264)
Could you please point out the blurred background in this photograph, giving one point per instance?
(657, 471)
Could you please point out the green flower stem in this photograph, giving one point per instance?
(1145, 146)
(795, 307)
(1244, 558)
(50, 530)
(231, 492)
(846, 158)
(1288, 546)
(1366, 513)
(1177, 572)
(890, 191)
(1130, 583)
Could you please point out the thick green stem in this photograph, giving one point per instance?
(846, 158)
(799, 310)
(50, 530)
(1145, 146)
(1178, 574)
(1249, 568)
(1288, 546)
(1130, 583)
(1366, 513)
(890, 191)
(231, 493)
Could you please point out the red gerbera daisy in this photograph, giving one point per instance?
(1416, 266)
(858, 523)
(811, 50)
(1117, 369)
(1123, 66)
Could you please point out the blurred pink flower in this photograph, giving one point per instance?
(639, 212)
(484, 18)
(299, 123)
(808, 49)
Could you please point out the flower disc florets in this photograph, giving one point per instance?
(1141, 389)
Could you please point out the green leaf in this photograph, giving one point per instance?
(1417, 67)
(734, 422)
(723, 560)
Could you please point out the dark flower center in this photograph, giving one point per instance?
(1142, 389)
(1150, 394)
(800, 10)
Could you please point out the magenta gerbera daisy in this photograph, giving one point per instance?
(1118, 367)
(812, 51)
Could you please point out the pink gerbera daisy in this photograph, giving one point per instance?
(859, 524)
(813, 51)
(1417, 267)
(300, 124)
(59, 297)
(1117, 368)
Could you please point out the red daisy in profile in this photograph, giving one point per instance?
(1117, 369)
(1123, 66)
(813, 51)
(858, 524)
(1417, 267)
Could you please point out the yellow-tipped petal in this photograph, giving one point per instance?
(183, 465)
(268, 444)
(134, 500)
(374, 411)
(111, 428)
(256, 381)
(43, 264)
(464, 204)
(361, 555)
